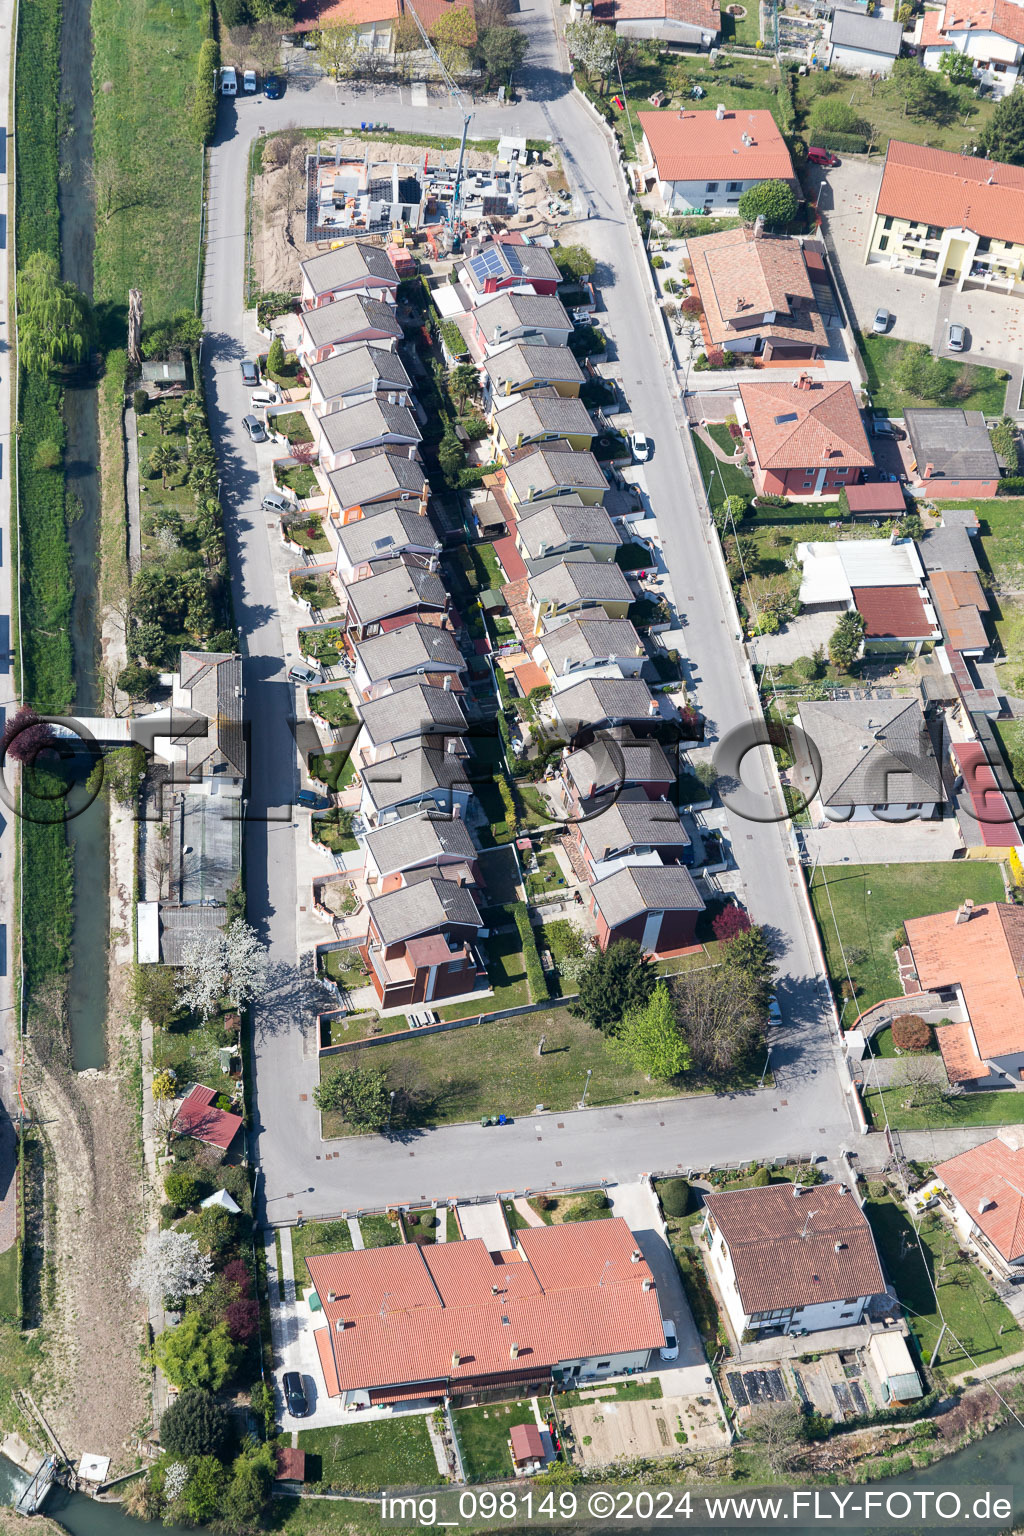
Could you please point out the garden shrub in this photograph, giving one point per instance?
(910, 1032)
(204, 102)
(508, 800)
(140, 402)
(181, 1188)
(675, 1196)
(538, 981)
(759, 1179)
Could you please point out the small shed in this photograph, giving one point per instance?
(147, 942)
(877, 498)
(891, 1359)
(291, 1464)
(163, 373)
(93, 1468)
(527, 1447)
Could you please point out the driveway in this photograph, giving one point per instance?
(846, 197)
(877, 842)
(638, 1205)
(486, 1220)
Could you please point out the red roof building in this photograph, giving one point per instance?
(665, 21)
(199, 1118)
(987, 1186)
(989, 809)
(803, 438)
(707, 159)
(406, 1323)
(979, 953)
(893, 613)
(527, 1444)
(877, 498)
(291, 1463)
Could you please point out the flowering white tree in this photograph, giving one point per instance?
(215, 965)
(175, 1478)
(173, 1266)
(591, 44)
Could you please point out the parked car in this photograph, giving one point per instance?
(270, 395)
(275, 501)
(295, 1395)
(311, 801)
(250, 374)
(671, 1350)
(823, 157)
(957, 339)
(228, 81)
(640, 446)
(273, 88)
(883, 427)
(249, 81)
(255, 428)
(774, 1011)
(881, 322)
(302, 672)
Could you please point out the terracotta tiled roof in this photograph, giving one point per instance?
(783, 1256)
(986, 957)
(876, 496)
(411, 1316)
(818, 425)
(1003, 17)
(698, 146)
(291, 1462)
(988, 1181)
(993, 815)
(527, 1444)
(932, 186)
(693, 13)
(893, 613)
(739, 275)
(311, 15)
(199, 1119)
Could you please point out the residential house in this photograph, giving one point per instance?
(380, 475)
(696, 23)
(541, 417)
(386, 662)
(421, 943)
(879, 499)
(863, 44)
(563, 527)
(564, 591)
(757, 295)
(588, 643)
(514, 316)
(500, 264)
(988, 32)
(400, 531)
(878, 759)
(559, 1305)
(359, 373)
(986, 1193)
(327, 330)
(804, 438)
(612, 763)
(375, 21)
(427, 778)
(953, 453)
(522, 366)
(395, 723)
(634, 825)
(198, 1117)
(882, 579)
(954, 218)
(791, 1260)
(420, 842)
(951, 544)
(394, 593)
(374, 423)
(705, 161)
(593, 703)
(974, 959)
(658, 906)
(549, 470)
(355, 267)
(961, 604)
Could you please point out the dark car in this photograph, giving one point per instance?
(273, 87)
(295, 1395)
(250, 374)
(311, 801)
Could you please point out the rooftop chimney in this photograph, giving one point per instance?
(929, 470)
(804, 381)
(340, 1325)
(759, 226)
(635, 1256)
(456, 1362)
(720, 111)
(652, 708)
(840, 1247)
(513, 1353)
(985, 1204)
(647, 1285)
(331, 1296)
(797, 1191)
(964, 913)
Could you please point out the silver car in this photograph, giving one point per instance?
(957, 339)
(881, 322)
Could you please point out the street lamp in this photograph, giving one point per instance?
(586, 1085)
(391, 1105)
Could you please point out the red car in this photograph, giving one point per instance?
(823, 157)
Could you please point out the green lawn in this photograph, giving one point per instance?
(880, 355)
(548, 877)
(10, 1310)
(969, 1305)
(745, 30)
(881, 104)
(882, 1046)
(300, 479)
(192, 1053)
(870, 901)
(334, 830)
(379, 1231)
(695, 1281)
(333, 704)
(345, 966)
(335, 769)
(318, 593)
(483, 1437)
(721, 480)
(971, 1109)
(1002, 545)
(147, 220)
(620, 1392)
(310, 536)
(293, 426)
(391, 1453)
(317, 1237)
(493, 1068)
(506, 972)
(423, 1223)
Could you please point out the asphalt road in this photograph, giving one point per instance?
(807, 1110)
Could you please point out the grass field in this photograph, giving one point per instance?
(483, 1438)
(972, 1109)
(868, 904)
(379, 1232)
(721, 480)
(391, 1453)
(493, 1068)
(968, 1303)
(317, 1237)
(148, 177)
(881, 354)
(10, 1309)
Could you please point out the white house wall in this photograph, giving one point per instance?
(860, 60)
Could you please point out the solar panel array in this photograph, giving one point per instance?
(494, 263)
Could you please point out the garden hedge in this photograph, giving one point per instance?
(531, 956)
(204, 103)
(852, 143)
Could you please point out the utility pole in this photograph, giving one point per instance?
(541, 1044)
(460, 101)
(586, 1085)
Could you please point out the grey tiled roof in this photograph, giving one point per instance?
(620, 757)
(581, 579)
(421, 709)
(347, 317)
(509, 311)
(366, 423)
(519, 363)
(393, 590)
(413, 774)
(591, 640)
(646, 888)
(534, 414)
(378, 475)
(602, 698)
(349, 263)
(955, 442)
(634, 821)
(873, 752)
(374, 538)
(414, 645)
(544, 467)
(867, 33)
(401, 844)
(552, 525)
(213, 681)
(949, 548)
(423, 908)
(359, 367)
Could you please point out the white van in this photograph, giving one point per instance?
(228, 81)
(265, 397)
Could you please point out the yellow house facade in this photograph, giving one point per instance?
(544, 474)
(574, 586)
(541, 417)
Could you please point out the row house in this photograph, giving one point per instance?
(588, 643)
(395, 723)
(548, 471)
(380, 475)
(539, 319)
(520, 421)
(424, 779)
(398, 531)
(423, 843)
(360, 372)
(617, 761)
(631, 828)
(498, 265)
(387, 662)
(657, 905)
(332, 327)
(522, 367)
(373, 424)
(421, 942)
(563, 527)
(576, 586)
(356, 267)
(395, 595)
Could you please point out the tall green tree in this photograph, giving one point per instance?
(453, 35)
(844, 646)
(774, 201)
(246, 1496)
(649, 1038)
(574, 262)
(360, 1095)
(163, 461)
(1002, 138)
(195, 1424)
(55, 322)
(463, 383)
(204, 1492)
(612, 983)
(338, 49)
(193, 1354)
(275, 357)
(503, 50)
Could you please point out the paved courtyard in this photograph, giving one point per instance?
(800, 637)
(879, 842)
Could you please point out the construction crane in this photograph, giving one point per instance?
(467, 117)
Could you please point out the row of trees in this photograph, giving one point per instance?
(462, 43)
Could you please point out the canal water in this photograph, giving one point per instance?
(87, 833)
